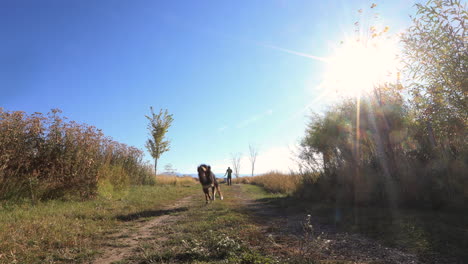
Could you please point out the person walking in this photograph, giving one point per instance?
(229, 176)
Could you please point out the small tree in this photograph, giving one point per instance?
(158, 127)
(253, 151)
(235, 159)
(436, 56)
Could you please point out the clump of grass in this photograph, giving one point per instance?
(274, 182)
(213, 245)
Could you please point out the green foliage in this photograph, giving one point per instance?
(252, 258)
(158, 127)
(436, 59)
(343, 154)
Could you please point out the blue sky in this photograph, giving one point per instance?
(220, 67)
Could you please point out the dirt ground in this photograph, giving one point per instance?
(139, 227)
(286, 234)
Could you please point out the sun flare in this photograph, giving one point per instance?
(357, 67)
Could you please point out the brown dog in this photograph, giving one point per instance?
(207, 180)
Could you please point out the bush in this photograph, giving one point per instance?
(44, 157)
(390, 162)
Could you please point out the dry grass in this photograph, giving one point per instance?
(46, 156)
(58, 231)
(175, 180)
(274, 182)
(221, 232)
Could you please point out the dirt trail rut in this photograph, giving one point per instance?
(124, 243)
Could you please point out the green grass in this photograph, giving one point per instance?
(228, 231)
(71, 231)
(257, 192)
(220, 232)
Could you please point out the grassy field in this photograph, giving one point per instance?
(241, 229)
(71, 231)
(221, 232)
(427, 233)
(251, 225)
(274, 182)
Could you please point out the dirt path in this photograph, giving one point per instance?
(281, 234)
(124, 243)
(324, 242)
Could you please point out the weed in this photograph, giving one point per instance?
(311, 244)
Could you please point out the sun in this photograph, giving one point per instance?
(357, 67)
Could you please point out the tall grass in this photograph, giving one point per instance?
(46, 156)
(274, 182)
(175, 180)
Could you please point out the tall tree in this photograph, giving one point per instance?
(235, 159)
(253, 151)
(158, 126)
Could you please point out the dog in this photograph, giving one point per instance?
(208, 180)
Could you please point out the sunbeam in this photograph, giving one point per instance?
(301, 54)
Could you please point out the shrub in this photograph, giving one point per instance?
(43, 157)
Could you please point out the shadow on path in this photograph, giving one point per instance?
(369, 233)
(149, 213)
